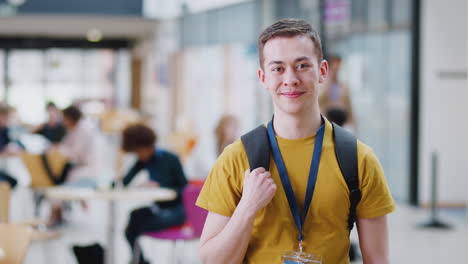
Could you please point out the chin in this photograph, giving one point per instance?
(291, 110)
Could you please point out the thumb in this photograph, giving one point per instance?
(246, 174)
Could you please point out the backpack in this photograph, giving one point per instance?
(258, 151)
(91, 254)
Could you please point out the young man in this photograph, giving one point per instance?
(250, 219)
(164, 170)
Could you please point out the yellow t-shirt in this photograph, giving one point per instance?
(325, 227)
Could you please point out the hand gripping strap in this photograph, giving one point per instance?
(257, 148)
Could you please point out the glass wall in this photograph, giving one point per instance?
(63, 76)
(374, 40)
(372, 37)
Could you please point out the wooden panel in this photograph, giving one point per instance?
(136, 83)
(4, 202)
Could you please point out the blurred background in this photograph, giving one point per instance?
(180, 65)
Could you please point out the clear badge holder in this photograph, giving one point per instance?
(295, 257)
(300, 257)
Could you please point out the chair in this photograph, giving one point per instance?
(14, 243)
(4, 202)
(193, 226)
(39, 176)
(40, 179)
(38, 229)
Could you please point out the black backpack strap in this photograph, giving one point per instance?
(257, 148)
(346, 154)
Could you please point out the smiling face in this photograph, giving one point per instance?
(291, 74)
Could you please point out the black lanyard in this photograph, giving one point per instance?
(285, 178)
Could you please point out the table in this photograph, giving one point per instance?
(147, 194)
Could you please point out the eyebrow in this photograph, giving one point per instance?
(302, 58)
(295, 61)
(275, 62)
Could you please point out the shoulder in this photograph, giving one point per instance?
(365, 153)
(232, 162)
(376, 196)
(85, 128)
(233, 153)
(166, 154)
(222, 189)
(369, 168)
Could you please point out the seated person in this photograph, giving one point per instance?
(79, 146)
(7, 145)
(4, 128)
(53, 129)
(165, 170)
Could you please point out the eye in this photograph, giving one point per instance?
(277, 69)
(303, 66)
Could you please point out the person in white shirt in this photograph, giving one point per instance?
(80, 148)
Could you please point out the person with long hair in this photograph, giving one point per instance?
(227, 131)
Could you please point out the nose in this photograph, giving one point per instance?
(290, 78)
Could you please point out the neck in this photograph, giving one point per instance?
(296, 126)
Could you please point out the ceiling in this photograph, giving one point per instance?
(76, 26)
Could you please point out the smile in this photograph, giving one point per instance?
(292, 94)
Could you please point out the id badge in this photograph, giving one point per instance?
(295, 257)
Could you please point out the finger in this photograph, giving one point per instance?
(270, 182)
(273, 188)
(258, 170)
(264, 176)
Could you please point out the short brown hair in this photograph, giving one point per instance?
(289, 27)
(137, 136)
(73, 113)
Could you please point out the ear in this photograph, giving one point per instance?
(261, 76)
(323, 71)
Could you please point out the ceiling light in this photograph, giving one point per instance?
(94, 35)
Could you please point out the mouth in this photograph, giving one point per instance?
(292, 95)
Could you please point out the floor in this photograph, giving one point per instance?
(408, 242)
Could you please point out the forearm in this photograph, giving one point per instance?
(230, 245)
(376, 260)
(377, 255)
(131, 173)
(373, 240)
